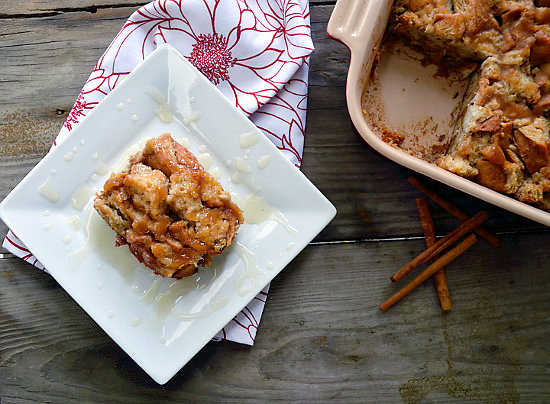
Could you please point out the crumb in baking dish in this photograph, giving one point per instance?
(501, 137)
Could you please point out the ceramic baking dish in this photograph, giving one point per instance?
(409, 93)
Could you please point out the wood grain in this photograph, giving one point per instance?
(322, 337)
(33, 7)
(312, 344)
(29, 8)
(369, 191)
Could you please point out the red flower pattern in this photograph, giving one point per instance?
(15, 246)
(211, 56)
(255, 51)
(79, 110)
(251, 49)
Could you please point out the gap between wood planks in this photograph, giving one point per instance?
(93, 9)
(419, 237)
(7, 255)
(56, 11)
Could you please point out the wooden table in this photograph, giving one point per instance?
(322, 336)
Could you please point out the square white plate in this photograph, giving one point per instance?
(163, 323)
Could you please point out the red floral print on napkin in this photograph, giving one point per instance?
(255, 51)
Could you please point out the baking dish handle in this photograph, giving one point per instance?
(359, 24)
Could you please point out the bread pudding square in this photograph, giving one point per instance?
(173, 215)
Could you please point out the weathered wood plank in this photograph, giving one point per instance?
(29, 8)
(322, 336)
(52, 56)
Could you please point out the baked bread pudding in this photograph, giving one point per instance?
(173, 215)
(501, 136)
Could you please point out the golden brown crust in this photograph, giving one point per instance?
(501, 137)
(173, 215)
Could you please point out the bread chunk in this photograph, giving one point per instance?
(173, 215)
(501, 136)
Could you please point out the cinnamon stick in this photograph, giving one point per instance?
(454, 210)
(444, 260)
(441, 245)
(429, 233)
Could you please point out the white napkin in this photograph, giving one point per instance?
(255, 51)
